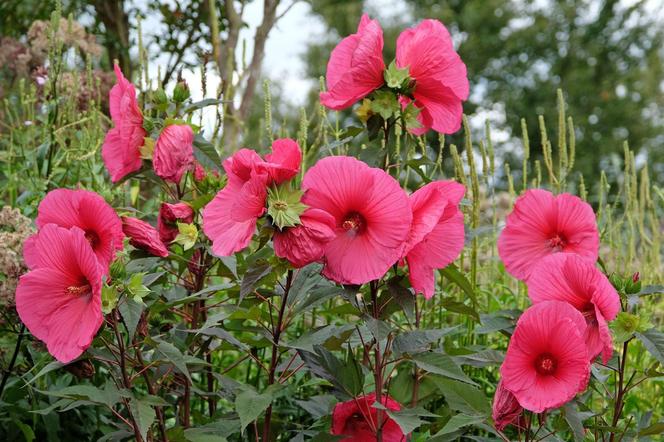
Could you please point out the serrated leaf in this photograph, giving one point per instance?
(408, 419)
(173, 355)
(143, 414)
(442, 364)
(249, 405)
(131, 313)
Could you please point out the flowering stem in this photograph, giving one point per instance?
(378, 364)
(620, 397)
(10, 368)
(274, 361)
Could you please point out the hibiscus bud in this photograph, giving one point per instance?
(143, 236)
(181, 92)
(199, 172)
(506, 409)
(174, 152)
(160, 99)
(635, 277)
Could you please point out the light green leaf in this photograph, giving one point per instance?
(249, 405)
(173, 355)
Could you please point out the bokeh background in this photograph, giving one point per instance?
(606, 55)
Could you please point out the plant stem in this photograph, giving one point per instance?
(158, 410)
(10, 368)
(416, 376)
(617, 411)
(274, 360)
(378, 364)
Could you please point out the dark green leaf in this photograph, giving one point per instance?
(131, 313)
(442, 364)
(206, 153)
(143, 414)
(452, 273)
(173, 355)
(249, 405)
(653, 341)
(252, 278)
(418, 340)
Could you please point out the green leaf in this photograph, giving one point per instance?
(318, 406)
(47, 369)
(109, 298)
(442, 364)
(653, 341)
(455, 306)
(109, 396)
(143, 414)
(252, 278)
(320, 336)
(653, 429)
(408, 419)
(452, 273)
(346, 375)
(249, 405)
(131, 313)
(206, 154)
(418, 340)
(575, 420)
(463, 397)
(201, 104)
(173, 355)
(457, 422)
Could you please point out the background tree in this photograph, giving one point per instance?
(608, 58)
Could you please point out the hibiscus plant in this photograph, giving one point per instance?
(334, 289)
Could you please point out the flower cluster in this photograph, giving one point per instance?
(427, 78)
(552, 242)
(355, 219)
(59, 299)
(127, 143)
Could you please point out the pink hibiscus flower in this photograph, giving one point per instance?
(305, 243)
(372, 216)
(436, 236)
(441, 83)
(120, 151)
(506, 409)
(357, 419)
(174, 152)
(547, 362)
(89, 212)
(59, 299)
(230, 219)
(143, 236)
(576, 280)
(541, 224)
(169, 216)
(283, 163)
(356, 66)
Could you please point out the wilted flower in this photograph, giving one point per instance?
(174, 152)
(506, 409)
(305, 243)
(143, 236)
(169, 216)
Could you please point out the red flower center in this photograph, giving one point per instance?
(557, 242)
(92, 238)
(545, 364)
(78, 290)
(356, 423)
(353, 223)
